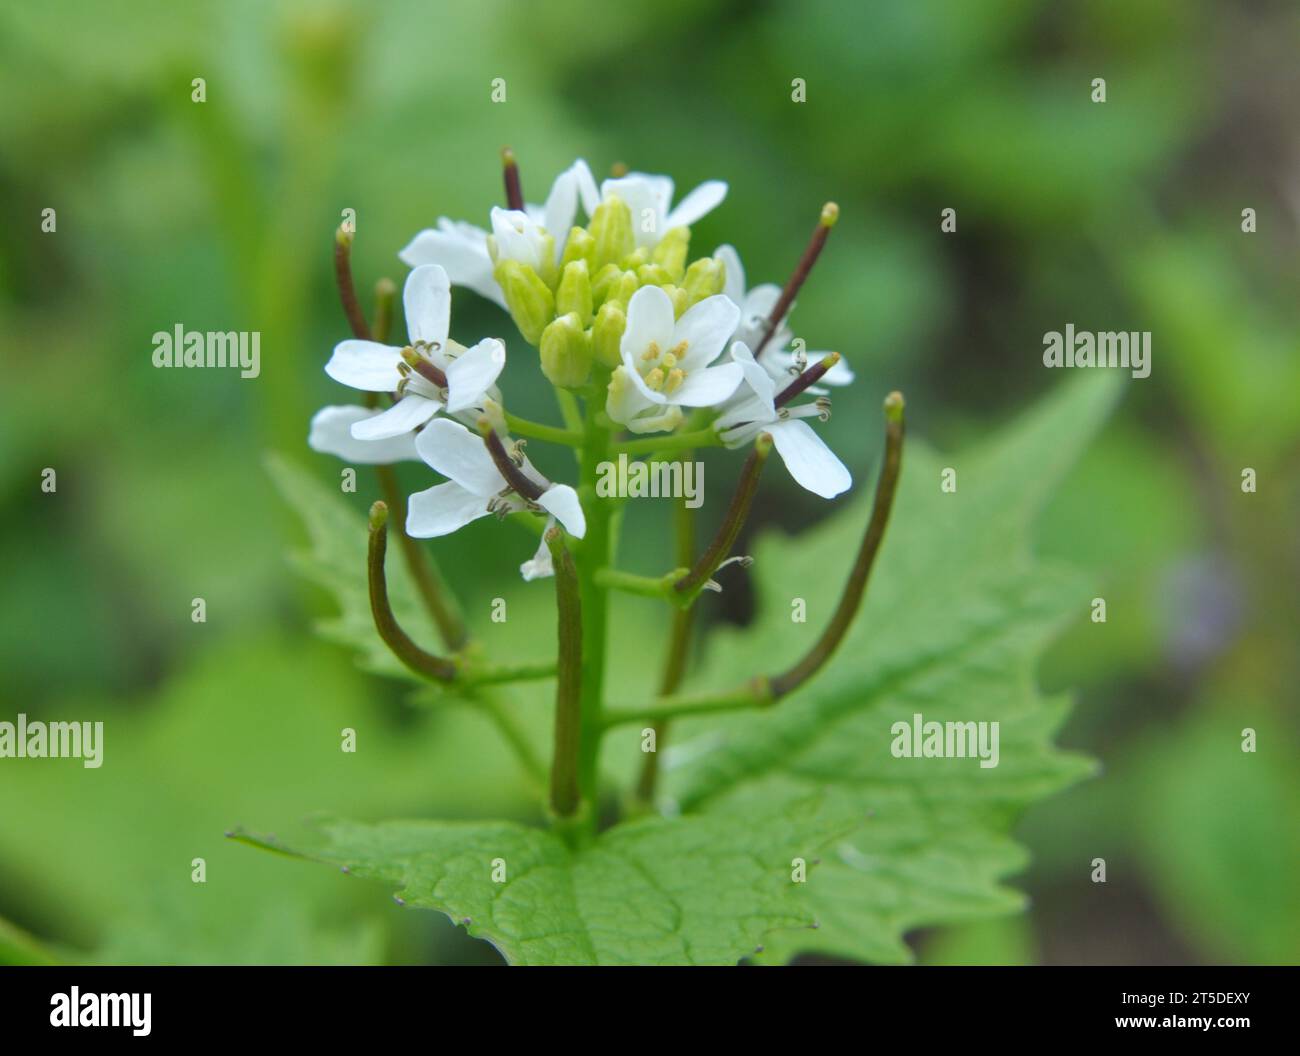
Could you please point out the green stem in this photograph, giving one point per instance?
(667, 445)
(678, 647)
(566, 783)
(630, 583)
(752, 694)
(497, 674)
(693, 582)
(537, 431)
(597, 549)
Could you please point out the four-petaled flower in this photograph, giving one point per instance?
(649, 198)
(462, 248)
(758, 409)
(666, 362)
(476, 486)
(424, 377)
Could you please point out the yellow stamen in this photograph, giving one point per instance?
(655, 380)
(679, 349)
(652, 351)
(675, 377)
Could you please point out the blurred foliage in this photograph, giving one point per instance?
(219, 215)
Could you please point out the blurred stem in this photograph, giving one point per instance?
(385, 295)
(538, 431)
(689, 586)
(829, 215)
(347, 288)
(679, 643)
(668, 445)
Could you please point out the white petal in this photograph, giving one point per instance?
(460, 455)
(402, 417)
(540, 564)
(562, 207)
(562, 501)
(733, 273)
(623, 398)
(710, 386)
(472, 373)
(517, 237)
(462, 251)
(701, 201)
(812, 464)
(757, 377)
(665, 420)
(427, 301)
(365, 365)
(331, 434)
(441, 509)
(705, 328)
(649, 318)
(645, 197)
(587, 189)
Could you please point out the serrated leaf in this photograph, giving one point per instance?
(700, 890)
(956, 615)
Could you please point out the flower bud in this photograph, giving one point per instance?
(671, 252)
(654, 275)
(579, 246)
(680, 301)
(574, 292)
(566, 352)
(607, 333)
(531, 303)
(611, 228)
(704, 278)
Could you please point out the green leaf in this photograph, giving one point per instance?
(956, 614)
(703, 890)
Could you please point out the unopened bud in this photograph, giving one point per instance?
(704, 278)
(611, 227)
(574, 292)
(579, 246)
(531, 303)
(566, 352)
(671, 252)
(607, 333)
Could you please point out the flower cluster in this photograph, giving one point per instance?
(653, 341)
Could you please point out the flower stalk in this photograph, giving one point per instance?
(816, 243)
(566, 779)
(418, 660)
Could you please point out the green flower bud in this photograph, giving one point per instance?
(622, 288)
(679, 298)
(671, 252)
(607, 333)
(611, 228)
(654, 275)
(550, 273)
(574, 292)
(704, 278)
(531, 303)
(579, 246)
(566, 352)
(602, 280)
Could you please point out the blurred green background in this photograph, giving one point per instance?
(1122, 215)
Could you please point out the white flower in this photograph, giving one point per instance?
(755, 307)
(331, 434)
(650, 200)
(476, 487)
(430, 374)
(462, 248)
(812, 464)
(667, 362)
